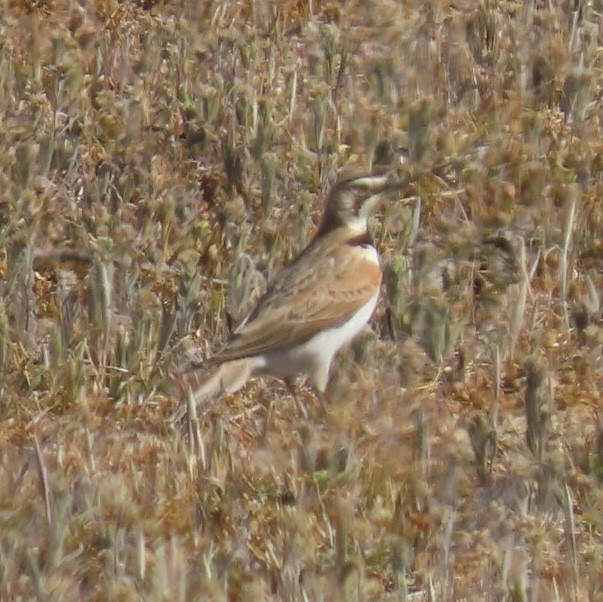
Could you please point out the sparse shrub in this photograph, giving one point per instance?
(160, 162)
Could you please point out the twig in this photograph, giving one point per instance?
(43, 479)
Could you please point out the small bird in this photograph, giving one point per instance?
(313, 307)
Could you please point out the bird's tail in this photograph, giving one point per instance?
(201, 384)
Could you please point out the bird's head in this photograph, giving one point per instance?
(352, 201)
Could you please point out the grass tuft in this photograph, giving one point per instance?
(160, 162)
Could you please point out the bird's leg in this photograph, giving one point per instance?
(290, 384)
(268, 417)
(292, 390)
(323, 398)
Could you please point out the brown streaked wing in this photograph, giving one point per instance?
(324, 287)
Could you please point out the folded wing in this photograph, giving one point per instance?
(322, 289)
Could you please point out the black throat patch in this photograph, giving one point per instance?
(361, 240)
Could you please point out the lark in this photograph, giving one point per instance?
(313, 307)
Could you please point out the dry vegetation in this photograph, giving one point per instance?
(159, 162)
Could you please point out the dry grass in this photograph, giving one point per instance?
(159, 162)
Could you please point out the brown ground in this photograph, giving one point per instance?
(160, 161)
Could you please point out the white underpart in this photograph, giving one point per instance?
(313, 358)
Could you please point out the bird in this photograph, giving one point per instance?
(313, 307)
